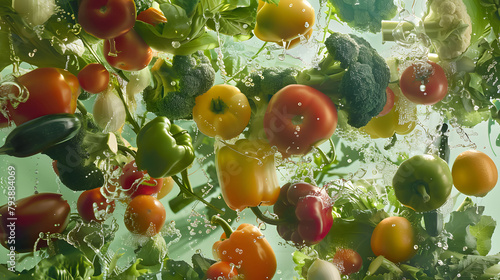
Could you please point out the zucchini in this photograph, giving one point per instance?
(36, 135)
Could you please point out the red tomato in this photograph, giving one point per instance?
(135, 182)
(130, 52)
(424, 84)
(91, 202)
(299, 117)
(347, 261)
(49, 90)
(94, 78)
(39, 213)
(390, 102)
(152, 16)
(221, 271)
(106, 19)
(145, 215)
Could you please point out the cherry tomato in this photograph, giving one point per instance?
(390, 102)
(128, 52)
(94, 78)
(92, 202)
(298, 118)
(474, 173)
(106, 19)
(347, 261)
(394, 239)
(152, 16)
(424, 83)
(39, 213)
(166, 188)
(49, 91)
(145, 215)
(221, 271)
(135, 182)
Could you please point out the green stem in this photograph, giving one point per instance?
(465, 204)
(218, 106)
(127, 150)
(394, 139)
(81, 107)
(135, 126)
(259, 51)
(216, 220)
(420, 188)
(266, 219)
(186, 188)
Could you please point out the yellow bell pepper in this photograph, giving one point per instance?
(385, 126)
(247, 174)
(222, 111)
(284, 23)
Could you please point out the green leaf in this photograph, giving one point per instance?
(470, 266)
(179, 270)
(459, 227)
(188, 5)
(201, 264)
(483, 231)
(74, 266)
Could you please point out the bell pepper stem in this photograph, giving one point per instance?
(423, 192)
(266, 219)
(186, 189)
(216, 220)
(127, 150)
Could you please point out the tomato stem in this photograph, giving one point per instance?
(127, 150)
(266, 219)
(216, 220)
(186, 189)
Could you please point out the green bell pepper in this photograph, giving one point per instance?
(423, 182)
(163, 149)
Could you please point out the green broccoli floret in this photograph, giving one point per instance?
(446, 23)
(259, 87)
(364, 15)
(177, 83)
(353, 75)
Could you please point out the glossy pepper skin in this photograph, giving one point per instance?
(247, 174)
(284, 23)
(308, 212)
(249, 251)
(163, 149)
(393, 122)
(423, 182)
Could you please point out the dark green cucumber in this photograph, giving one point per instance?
(36, 135)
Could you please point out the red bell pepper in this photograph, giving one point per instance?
(306, 211)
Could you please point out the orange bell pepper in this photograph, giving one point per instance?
(247, 249)
(247, 174)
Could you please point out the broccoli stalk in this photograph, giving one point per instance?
(259, 87)
(353, 75)
(177, 83)
(446, 23)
